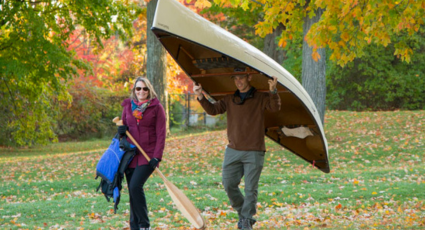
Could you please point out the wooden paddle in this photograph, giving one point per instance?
(180, 199)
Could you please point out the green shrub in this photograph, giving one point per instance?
(177, 110)
(90, 114)
(378, 81)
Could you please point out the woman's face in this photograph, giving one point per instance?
(142, 92)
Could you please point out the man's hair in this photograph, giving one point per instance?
(239, 69)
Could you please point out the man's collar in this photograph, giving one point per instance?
(250, 92)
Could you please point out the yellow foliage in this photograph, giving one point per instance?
(332, 28)
(345, 36)
(315, 55)
(282, 43)
(354, 24)
(404, 53)
(202, 4)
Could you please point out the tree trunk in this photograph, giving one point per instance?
(270, 45)
(314, 73)
(156, 66)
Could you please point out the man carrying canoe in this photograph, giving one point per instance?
(244, 155)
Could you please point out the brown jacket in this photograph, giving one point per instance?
(245, 123)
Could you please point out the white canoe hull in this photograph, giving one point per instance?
(208, 54)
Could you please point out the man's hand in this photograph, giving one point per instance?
(272, 84)
(197, 89)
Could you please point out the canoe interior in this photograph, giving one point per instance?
(213, 70)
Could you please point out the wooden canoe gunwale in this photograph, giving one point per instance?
(224, 74)
(232, 92)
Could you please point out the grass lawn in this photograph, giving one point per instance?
(377, 181)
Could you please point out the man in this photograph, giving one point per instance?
(244, 155)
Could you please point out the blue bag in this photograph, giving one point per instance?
(111, 168)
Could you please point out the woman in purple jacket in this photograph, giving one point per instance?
(144, 117)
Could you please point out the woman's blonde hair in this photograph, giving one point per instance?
(152, 93)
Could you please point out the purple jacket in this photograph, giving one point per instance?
(149, 134)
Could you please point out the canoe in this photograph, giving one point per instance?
(208, 54)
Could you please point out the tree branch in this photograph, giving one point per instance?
(13, 101)
(261, 4)
(31, 2)
(76, 38)
(6, 46)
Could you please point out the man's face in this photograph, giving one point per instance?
(242, 83)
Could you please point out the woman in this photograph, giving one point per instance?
(144, 117)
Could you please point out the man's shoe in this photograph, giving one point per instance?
(246, 224)
(240, 223)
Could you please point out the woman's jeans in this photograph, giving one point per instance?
(136, 178)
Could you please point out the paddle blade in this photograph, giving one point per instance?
(185, 205)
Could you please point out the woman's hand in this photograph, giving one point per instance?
(121, 130)
(154, 163)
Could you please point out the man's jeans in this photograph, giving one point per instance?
(237, 164)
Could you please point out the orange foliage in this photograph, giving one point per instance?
(107, 63)
(116, 65)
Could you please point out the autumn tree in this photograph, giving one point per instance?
(35, 64)
(156, 61)
(241, 23)
(114, 67)
(345, 27)
(161, 70)
(97, 92)
(313, 71)
(139, 64)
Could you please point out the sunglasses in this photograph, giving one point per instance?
(140, 88)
